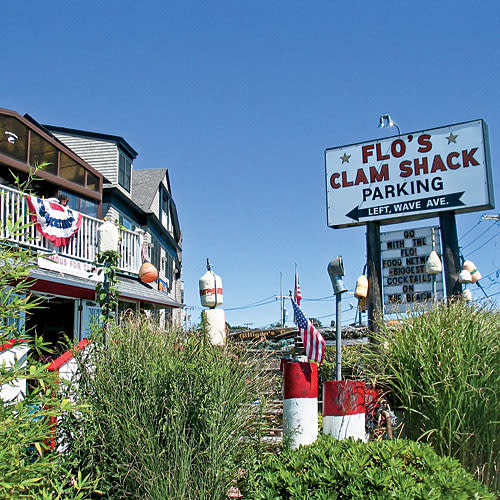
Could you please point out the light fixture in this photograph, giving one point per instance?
(387, 121)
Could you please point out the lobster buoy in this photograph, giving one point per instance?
(433, 263)
(362, 304)
(361, 291)
(470, 266)
(464, 277)
(148, 273)
(467, 295)
(211, 289)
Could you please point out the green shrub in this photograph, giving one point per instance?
(28, 470)
(443, 368)
(379, 470)
(169, 416)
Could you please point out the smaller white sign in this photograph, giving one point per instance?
(66, 265)
(406, 284)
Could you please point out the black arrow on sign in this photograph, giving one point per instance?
(450, 201)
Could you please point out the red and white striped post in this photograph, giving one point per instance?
(344, 410)
(300, 402)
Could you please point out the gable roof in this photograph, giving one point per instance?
(145, 186)
(118, 140)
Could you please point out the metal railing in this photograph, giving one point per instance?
(83, 245)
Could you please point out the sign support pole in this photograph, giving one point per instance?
(374, 275)
(451, 254)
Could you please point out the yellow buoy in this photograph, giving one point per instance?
(361, 291)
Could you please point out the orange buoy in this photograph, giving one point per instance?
(148, 273)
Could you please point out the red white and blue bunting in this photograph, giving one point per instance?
(54, 221)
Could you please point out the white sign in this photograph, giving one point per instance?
(62, 264)
(411, 176)
(405, 281)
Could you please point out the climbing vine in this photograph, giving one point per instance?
(107, 291)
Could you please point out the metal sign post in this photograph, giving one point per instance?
(336, 272)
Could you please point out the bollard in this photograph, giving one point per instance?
(300, 402)
(344, 410)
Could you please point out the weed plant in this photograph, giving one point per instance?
(169, 416)
(443, 368)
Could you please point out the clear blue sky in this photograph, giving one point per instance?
(239, 101)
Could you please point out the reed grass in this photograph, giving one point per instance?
(169, 415)
(443, 368)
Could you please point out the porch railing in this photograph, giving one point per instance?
(83, 245)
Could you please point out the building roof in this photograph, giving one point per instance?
(145, 186)
(120, 141)
(128, 288)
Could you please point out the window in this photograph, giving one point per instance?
(92, 181)
(13, 138)
(80, 204)
(165, 209)
(155, 252)
(127, 223)
(124, 171)
(41, 151)
(71, 170)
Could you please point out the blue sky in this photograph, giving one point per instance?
(239, 101)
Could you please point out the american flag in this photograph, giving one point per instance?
(314, 343)
(297, 294)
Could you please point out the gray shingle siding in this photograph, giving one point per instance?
(101, 155)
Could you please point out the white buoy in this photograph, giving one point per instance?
(344, 412)
(433, 264)
(108, 237)
(211, 290)
(300, 402)
(465, 277)
(468, 265)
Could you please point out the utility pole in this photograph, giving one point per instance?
(374, 299)
(281, 299)
(451, 253)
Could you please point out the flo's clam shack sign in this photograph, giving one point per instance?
(406, 283)
(411, 176)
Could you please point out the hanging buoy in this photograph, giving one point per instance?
(464, 277)
(468, 265)
(148, 273)
(361, 291)
(467, 295)
(211, 290)
(362, 304)
(433, 264)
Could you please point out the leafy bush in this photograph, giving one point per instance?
(379, 470)
(169, 416)
(443, 367)
(27, 469)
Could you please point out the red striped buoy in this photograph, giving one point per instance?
(300, 402)
(344, 409)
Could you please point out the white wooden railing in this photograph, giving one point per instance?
(83, 246)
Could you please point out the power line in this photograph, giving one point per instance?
(477, 237)
(481, 246)
(472, 228)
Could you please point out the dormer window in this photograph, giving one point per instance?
(124, 171)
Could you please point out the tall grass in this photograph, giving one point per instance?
(443, 367)
(169, 416)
